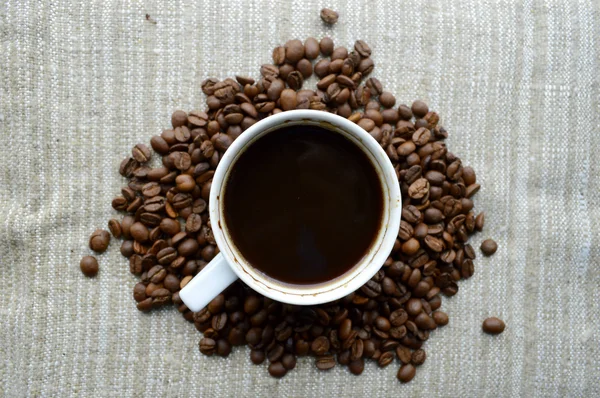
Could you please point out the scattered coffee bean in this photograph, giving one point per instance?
(99, 240)
(329, 16)
(89, 266)
(493, 325)
(406, 373)
(489, 247)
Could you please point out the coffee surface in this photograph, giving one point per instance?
(303, 204)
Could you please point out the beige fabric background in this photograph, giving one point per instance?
(516, 84)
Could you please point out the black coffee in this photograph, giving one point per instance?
(303, 204)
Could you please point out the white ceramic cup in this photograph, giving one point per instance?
(229, 264)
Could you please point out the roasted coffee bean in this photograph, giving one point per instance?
(489, 247)
(99, 240)
(257, 356)
(288, 361)
(440, 318)
(385, 359)
(276, 369)
(406, 373)
(325, 362)
(479, 221)
(320, 345)
(493, 325)
(89, 266)
(356, 367)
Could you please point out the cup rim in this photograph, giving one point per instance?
(363, 270)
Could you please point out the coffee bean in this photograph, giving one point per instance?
(385, 359)
(479, 221)
(257, 356)
(294, 51)
(311, 48)
(489, 247)
(326, 46)
(288, 361)
(493, 325)
(329, 16)
(207, 346)
(114, 226)
(419, 108)
(320, 345)
(99, 240)
(141, 153)
(356, 367)
(288, 99)
(440, 318)
(325, 362)
(406, 373)
(89, 266)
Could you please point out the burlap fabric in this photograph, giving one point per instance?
(516, 84)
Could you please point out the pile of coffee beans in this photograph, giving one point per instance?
(167, 234)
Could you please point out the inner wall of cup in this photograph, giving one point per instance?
(285, 287)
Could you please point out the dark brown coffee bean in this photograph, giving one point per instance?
(356, 367)
(99, 240)
(275, 353)
(479, 221)
(493, 325)
(404, 354)
(489, 247)
(207, 346)
(325, 362)
(288, 361)
(419, 109)
(440, 318)
(160, 297)
(139, 232)
(406, 373)
(276, 369)
(385, 359)
(141, 153)
(398, 317)
(356, 351)
(114, 226)
(89, 266)
(257, 356)
(467, 268)
(320, 345)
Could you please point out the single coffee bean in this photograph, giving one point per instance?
(276, 369)
(493, 325)
(288, 361)
(479, 221)
(419, 109)
(329, 16)
(418, 357)
(489, 247)
(139, 232)
(207, 346)
(141, 153)
(325, 362)
(311, 48)
(326, 46)
(404, 354)
(99, 240)
(406, 373)
(440, 318)
(356, 367)
(385, 359)
(257, 356)
(320, 345)
(114, 226)
(89, 266)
